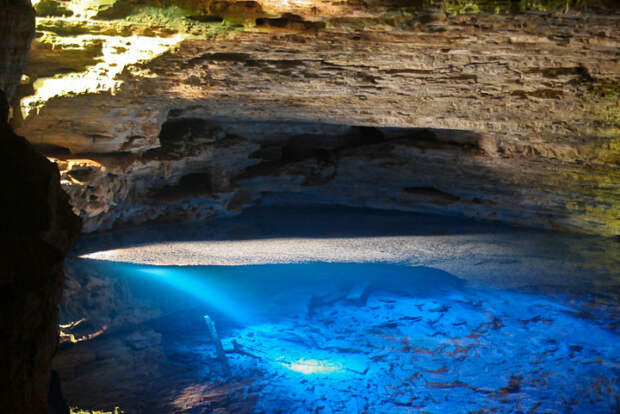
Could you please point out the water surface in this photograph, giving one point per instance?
(357, 311)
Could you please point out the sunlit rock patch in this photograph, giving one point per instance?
(76, 52)
(100, 70)
(530, 87)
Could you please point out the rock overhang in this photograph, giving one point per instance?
(534, 91)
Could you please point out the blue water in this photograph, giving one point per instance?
(254, 293)
(477, 318)
(388, 338)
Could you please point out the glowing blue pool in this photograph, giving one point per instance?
(385, 337)
(321, 342)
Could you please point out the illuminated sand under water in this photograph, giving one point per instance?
(440, 315)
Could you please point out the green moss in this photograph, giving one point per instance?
(426, 12)
(596, 204)
(75, 410)
(119, 10)
(47, 59)
(603, 110)
(63, 28)
(51, 8)
(459, 7)
(177, 20)
(198, 11)
(603, 106)
(122, 9)
(564, 5)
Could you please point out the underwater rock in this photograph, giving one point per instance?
(287, 315)
(218, 345)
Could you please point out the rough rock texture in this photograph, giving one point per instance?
(93, 305)
(510, 117)
(16, 32)
(37, 230)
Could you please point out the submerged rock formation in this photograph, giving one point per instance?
(168, 110)
(38, 229)
(292, 284)
(511, 117)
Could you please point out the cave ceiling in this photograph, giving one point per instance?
(166, 110)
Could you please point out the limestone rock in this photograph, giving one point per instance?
(510, 117)
(52, 8)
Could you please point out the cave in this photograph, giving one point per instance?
(310, 206)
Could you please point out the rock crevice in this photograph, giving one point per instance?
(516, 111)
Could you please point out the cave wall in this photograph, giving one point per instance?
(37, 229)
(512, 117)
(16, 31)
(509, 116)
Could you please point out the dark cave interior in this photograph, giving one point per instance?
(310, 206)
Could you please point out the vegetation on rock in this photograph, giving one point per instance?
(458, 7)
(76, 410)
(52, 8)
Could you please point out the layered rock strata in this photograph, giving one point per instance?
(509, 117)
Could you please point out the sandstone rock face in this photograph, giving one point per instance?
(510, 117)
